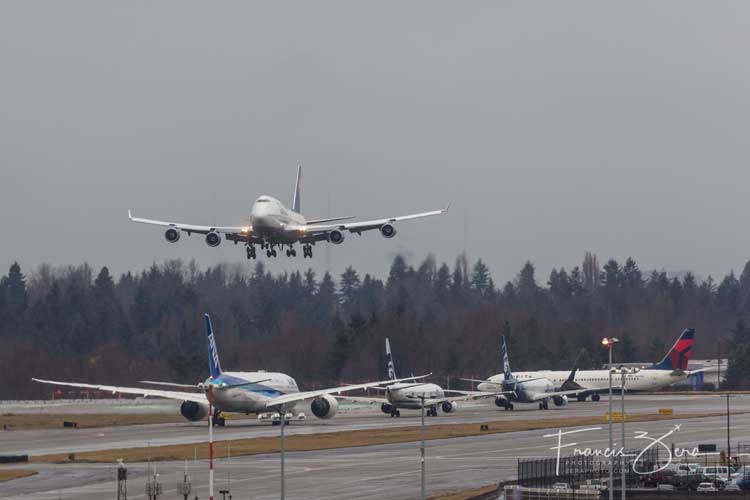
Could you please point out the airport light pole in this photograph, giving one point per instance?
(423, 488)
(624, 372)
(421, 398)
(609, 344)
(283, 486)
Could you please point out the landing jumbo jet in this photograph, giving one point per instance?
(410, 393)
(272, 225)
(583, 383)
(267, 394)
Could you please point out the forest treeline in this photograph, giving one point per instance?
(77, 323)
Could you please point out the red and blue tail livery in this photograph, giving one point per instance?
(678, 356)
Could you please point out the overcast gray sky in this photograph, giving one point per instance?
(553, 128)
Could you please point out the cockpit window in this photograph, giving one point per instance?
(262, 201)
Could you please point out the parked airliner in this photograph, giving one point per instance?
(408, 394)
(272, 225)
(671, 369)
(267, 394)
(521, 389)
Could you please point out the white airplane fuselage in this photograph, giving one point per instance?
(524, 391)
(598, 380)
(269, 217)
(251, 398)
(408, 395)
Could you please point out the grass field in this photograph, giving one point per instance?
(464, 494)
(345, 439)
(9, 474)
(29, 421)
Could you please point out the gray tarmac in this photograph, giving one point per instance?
(387, 471)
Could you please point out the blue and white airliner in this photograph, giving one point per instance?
(267, 394)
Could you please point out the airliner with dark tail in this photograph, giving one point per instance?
(583, 383)
(267, 394)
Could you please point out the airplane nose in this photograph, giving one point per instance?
(263, 221)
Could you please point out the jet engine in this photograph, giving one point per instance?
(324, 407)
(449, 406)
(386, 408)
(560, 400)
(193, 411)
(336, 237)
(387, 230)
(213, 239)
(172, 235)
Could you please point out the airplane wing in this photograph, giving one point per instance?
(363, 399)
(538, 396)
(334, 391)
(243, 231)
(359, 227)
(138, 391)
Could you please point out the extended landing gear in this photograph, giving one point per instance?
(432, 411)
(581, 398)
(543, 405)
(508, 406)
(595, 397)
(395, 413)
(271, 252)
(291, 252)
(251, 252)
(307, 251)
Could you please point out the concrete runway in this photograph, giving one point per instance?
(387, 471)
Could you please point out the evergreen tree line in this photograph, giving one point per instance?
(73, 323)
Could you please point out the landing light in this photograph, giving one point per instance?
(245, 230)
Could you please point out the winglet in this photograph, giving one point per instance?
(296, 199)
(130, 215)
(448, 206)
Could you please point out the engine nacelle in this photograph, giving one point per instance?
(386, 408)
(560, 400)
(213, 239)
(172, 235)
(387, 230)
(324, 407)
(449, 406)
(193, 411)
(336, 237)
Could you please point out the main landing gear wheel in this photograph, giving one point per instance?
(251, 252)
(595, 397)
(544, 405)
(432, 412)
(581, 398)
(291, 252)
(306, 251)
(395, 413)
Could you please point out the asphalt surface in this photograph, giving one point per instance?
(386, 471)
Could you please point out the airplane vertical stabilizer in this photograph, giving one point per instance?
(678, 356)
(297, 187)
(507, 375)
(214, 366)
(389, 359)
